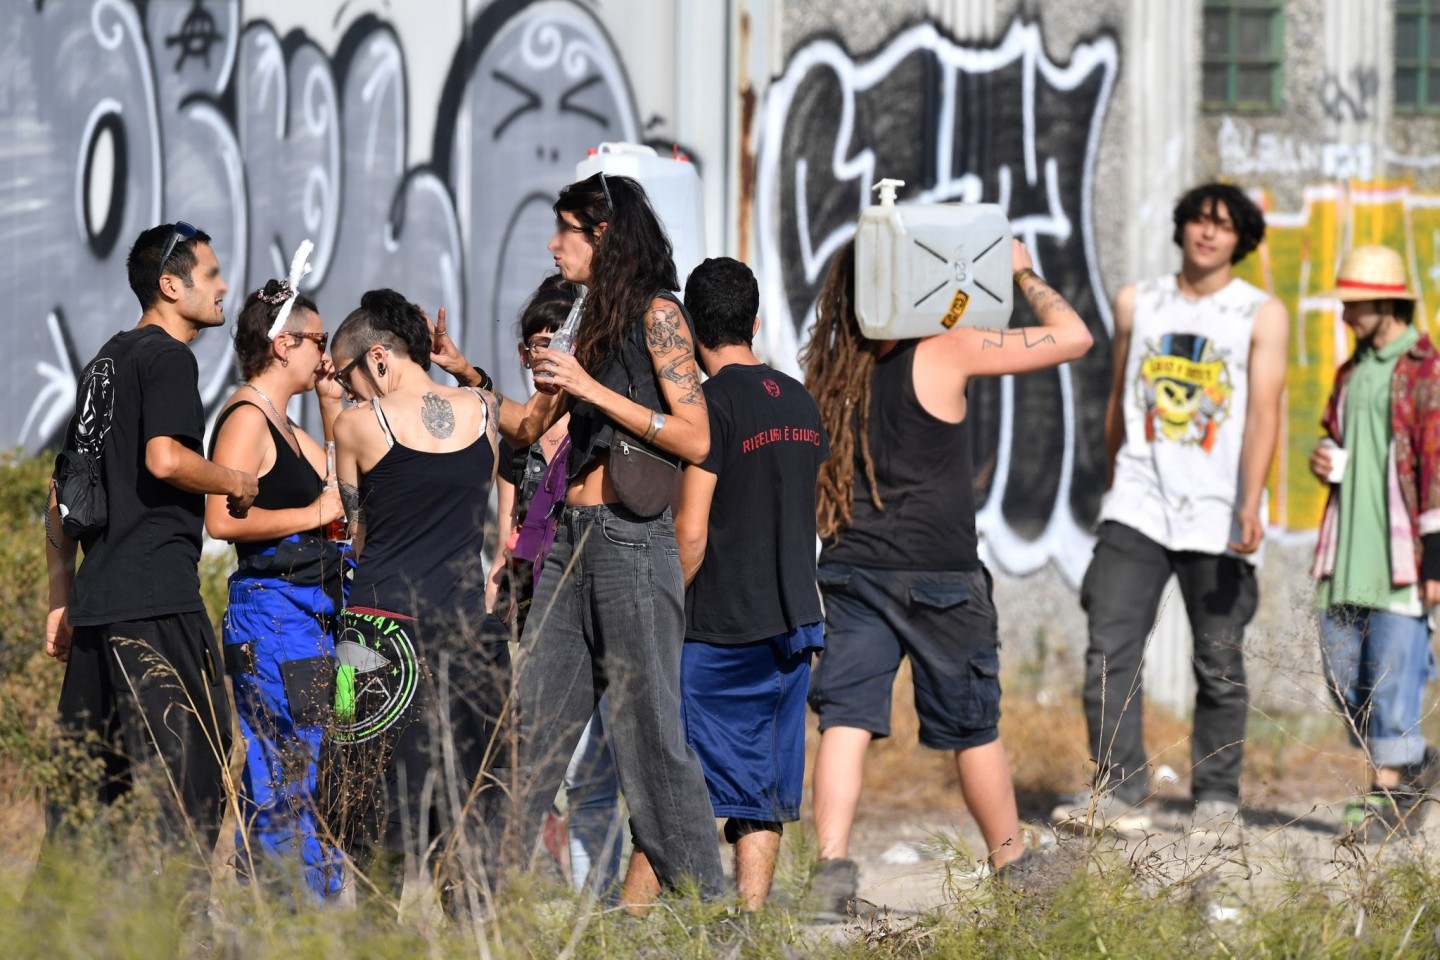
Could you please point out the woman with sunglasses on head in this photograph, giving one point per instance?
(608, 616)
(417, 678)
(285, 591)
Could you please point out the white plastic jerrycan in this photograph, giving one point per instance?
(674, 189)
(923, 268)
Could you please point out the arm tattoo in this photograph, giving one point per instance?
(1042, 296)
(681, 372)
(350, 499)
(662, 330)
(437, 415)
(996, 338)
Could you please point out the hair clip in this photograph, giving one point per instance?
(299, 266)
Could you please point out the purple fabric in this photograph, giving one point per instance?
(537, 529)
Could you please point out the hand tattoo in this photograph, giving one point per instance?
(437, 415)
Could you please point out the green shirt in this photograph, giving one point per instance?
(1362, 555)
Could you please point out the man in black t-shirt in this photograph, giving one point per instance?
(143, 682)
(745, 525)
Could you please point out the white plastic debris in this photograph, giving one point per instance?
(901, 853)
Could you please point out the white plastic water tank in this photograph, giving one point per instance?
(923, 268)
(673, 186)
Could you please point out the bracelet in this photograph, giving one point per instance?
(1024, 272)
(484, 383)
(657, 421)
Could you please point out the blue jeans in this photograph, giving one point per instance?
(1376, 665)
(608, 618)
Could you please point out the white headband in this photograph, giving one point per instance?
(299, 266)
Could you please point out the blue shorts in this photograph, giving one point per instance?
(744, 712)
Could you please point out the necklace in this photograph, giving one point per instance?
(284, 421)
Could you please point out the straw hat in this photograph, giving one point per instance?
(1371, 273)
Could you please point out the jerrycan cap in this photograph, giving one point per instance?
(886, 188)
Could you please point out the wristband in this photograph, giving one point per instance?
(1024, 272)
(484, 383)
(657, 420)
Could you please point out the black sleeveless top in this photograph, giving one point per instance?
(425, 519)
(591, 432)
(292, 481)
(925, 475)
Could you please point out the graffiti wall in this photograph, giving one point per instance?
(118, 115)
(1002, 124)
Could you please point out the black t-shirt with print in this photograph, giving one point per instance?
(766, 447)
(145, 563)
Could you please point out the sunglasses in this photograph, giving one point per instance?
(342, 377)
(319, 339)
(536, 343)
(609, 204)
(183, 231)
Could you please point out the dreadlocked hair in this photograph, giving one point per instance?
(633, 260)
(838, 362)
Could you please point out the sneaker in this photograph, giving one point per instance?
(1382, 814)
(1091, 812)
(833, 889)
(1218, 822)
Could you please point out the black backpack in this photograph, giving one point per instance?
(78, 479)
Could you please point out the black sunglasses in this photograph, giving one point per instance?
(183, 231)
(609, 204)
(342, 377)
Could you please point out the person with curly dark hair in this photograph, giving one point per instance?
(608, 616)
(285, 592)
(1190, 430)
(419, 688)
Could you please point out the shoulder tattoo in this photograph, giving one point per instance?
(437, 415)
(662, 329)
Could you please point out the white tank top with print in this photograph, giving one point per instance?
(1177, 476)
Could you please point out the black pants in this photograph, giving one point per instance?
(1121, 594)
(147, 698)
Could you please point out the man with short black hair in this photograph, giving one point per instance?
(143, 676)
(746, 530)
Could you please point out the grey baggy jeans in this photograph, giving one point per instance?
(609, 618)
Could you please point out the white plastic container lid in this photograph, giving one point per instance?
(675, 192)
(922, 269)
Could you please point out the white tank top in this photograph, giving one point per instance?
(1177, 476)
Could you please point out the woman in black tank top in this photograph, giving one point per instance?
(277, 637)
(415, 461)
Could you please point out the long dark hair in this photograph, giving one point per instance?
(838, 362)
(633, 260)
(252, 328)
